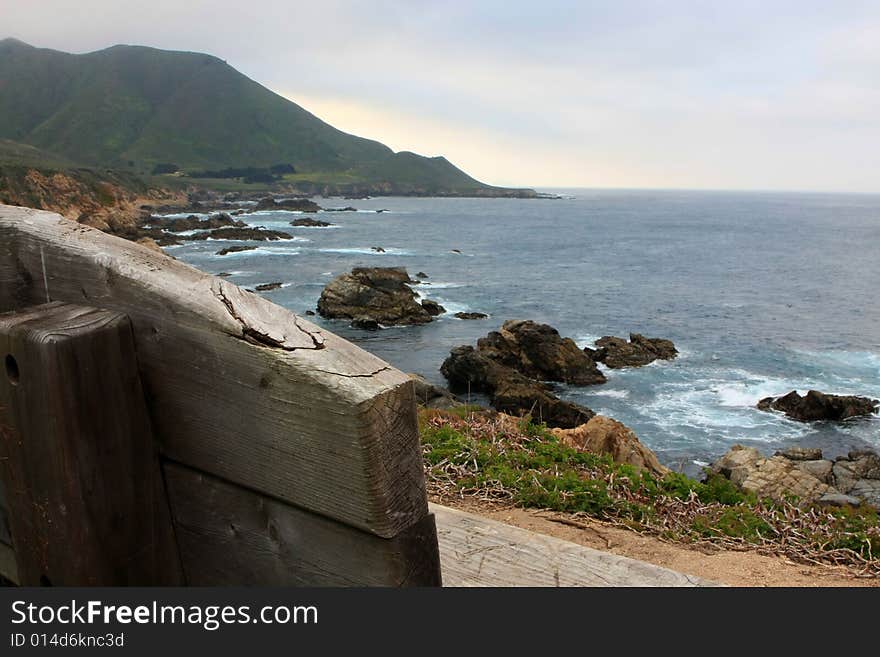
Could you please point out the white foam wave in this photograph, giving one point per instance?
(427, 285)
(587, 340)
(360, 250)
(615, 394)
(265, 251)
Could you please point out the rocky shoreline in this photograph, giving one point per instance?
(520, 365)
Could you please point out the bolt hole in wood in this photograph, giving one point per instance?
(12, 372)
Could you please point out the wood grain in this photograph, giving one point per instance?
(476, 551)
(237, 386)
(77, 457)
(229, 535)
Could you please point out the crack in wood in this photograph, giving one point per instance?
(253, 335)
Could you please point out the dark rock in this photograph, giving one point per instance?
(471, 315)
(421, 274)
(511, 364)
(380, 293)
(365, 324)
(433, 307)
(467, 370)
(801, 453)
(539, 352)
(295, 204)
(224, 274)
(519, 395)
(456, 251)
(347, 208)
(236, 233)
(193, 222)
(815, 406)
(431, 396)
(235, 249)
(377, 249)
(617, 353)
(310, 313)
(380, 211)
(268, 286)
(310, 223)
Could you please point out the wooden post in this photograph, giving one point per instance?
(79, 465)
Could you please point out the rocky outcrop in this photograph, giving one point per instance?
(192, 222)
(266, 287)
(539, 352)
(617, 353)
(433, 307)
(431, 396)
(241, 234)
(295, 204)
(815, 406)
(519, 395)
(234, 249)
(310, 223)
(365, 324)
(804, 474)
(378, 293)
(511, 366)
(603, 435)
(469, 315)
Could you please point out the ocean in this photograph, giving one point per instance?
(762, 293)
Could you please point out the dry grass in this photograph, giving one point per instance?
(502, 461)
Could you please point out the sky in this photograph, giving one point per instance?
(772, 95)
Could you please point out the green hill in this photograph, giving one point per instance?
(133, 108)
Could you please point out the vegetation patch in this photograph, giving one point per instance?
(490, 457)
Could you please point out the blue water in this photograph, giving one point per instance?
(761, 292)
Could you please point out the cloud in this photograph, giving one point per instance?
(751, 94)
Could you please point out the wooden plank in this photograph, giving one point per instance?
(8, 567)
(229, 535)
(77, 457)
(5, 532)
(237, 386)
(477, 551)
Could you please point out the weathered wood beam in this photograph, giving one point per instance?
(237, 386)
(477, 551)
(229, 535)
(78, 462)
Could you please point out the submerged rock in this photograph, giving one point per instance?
(378, 293)
(365, 324)
(816, 406)
(296, 204)
(234, 249)
(236, 233)
(603, 435)
(310, 223)
(617, 353)
(265, 287)
(471, 315)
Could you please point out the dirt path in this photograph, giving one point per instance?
(723, 566)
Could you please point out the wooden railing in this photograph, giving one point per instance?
(257, 447)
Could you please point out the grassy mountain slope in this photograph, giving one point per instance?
(134, 107)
